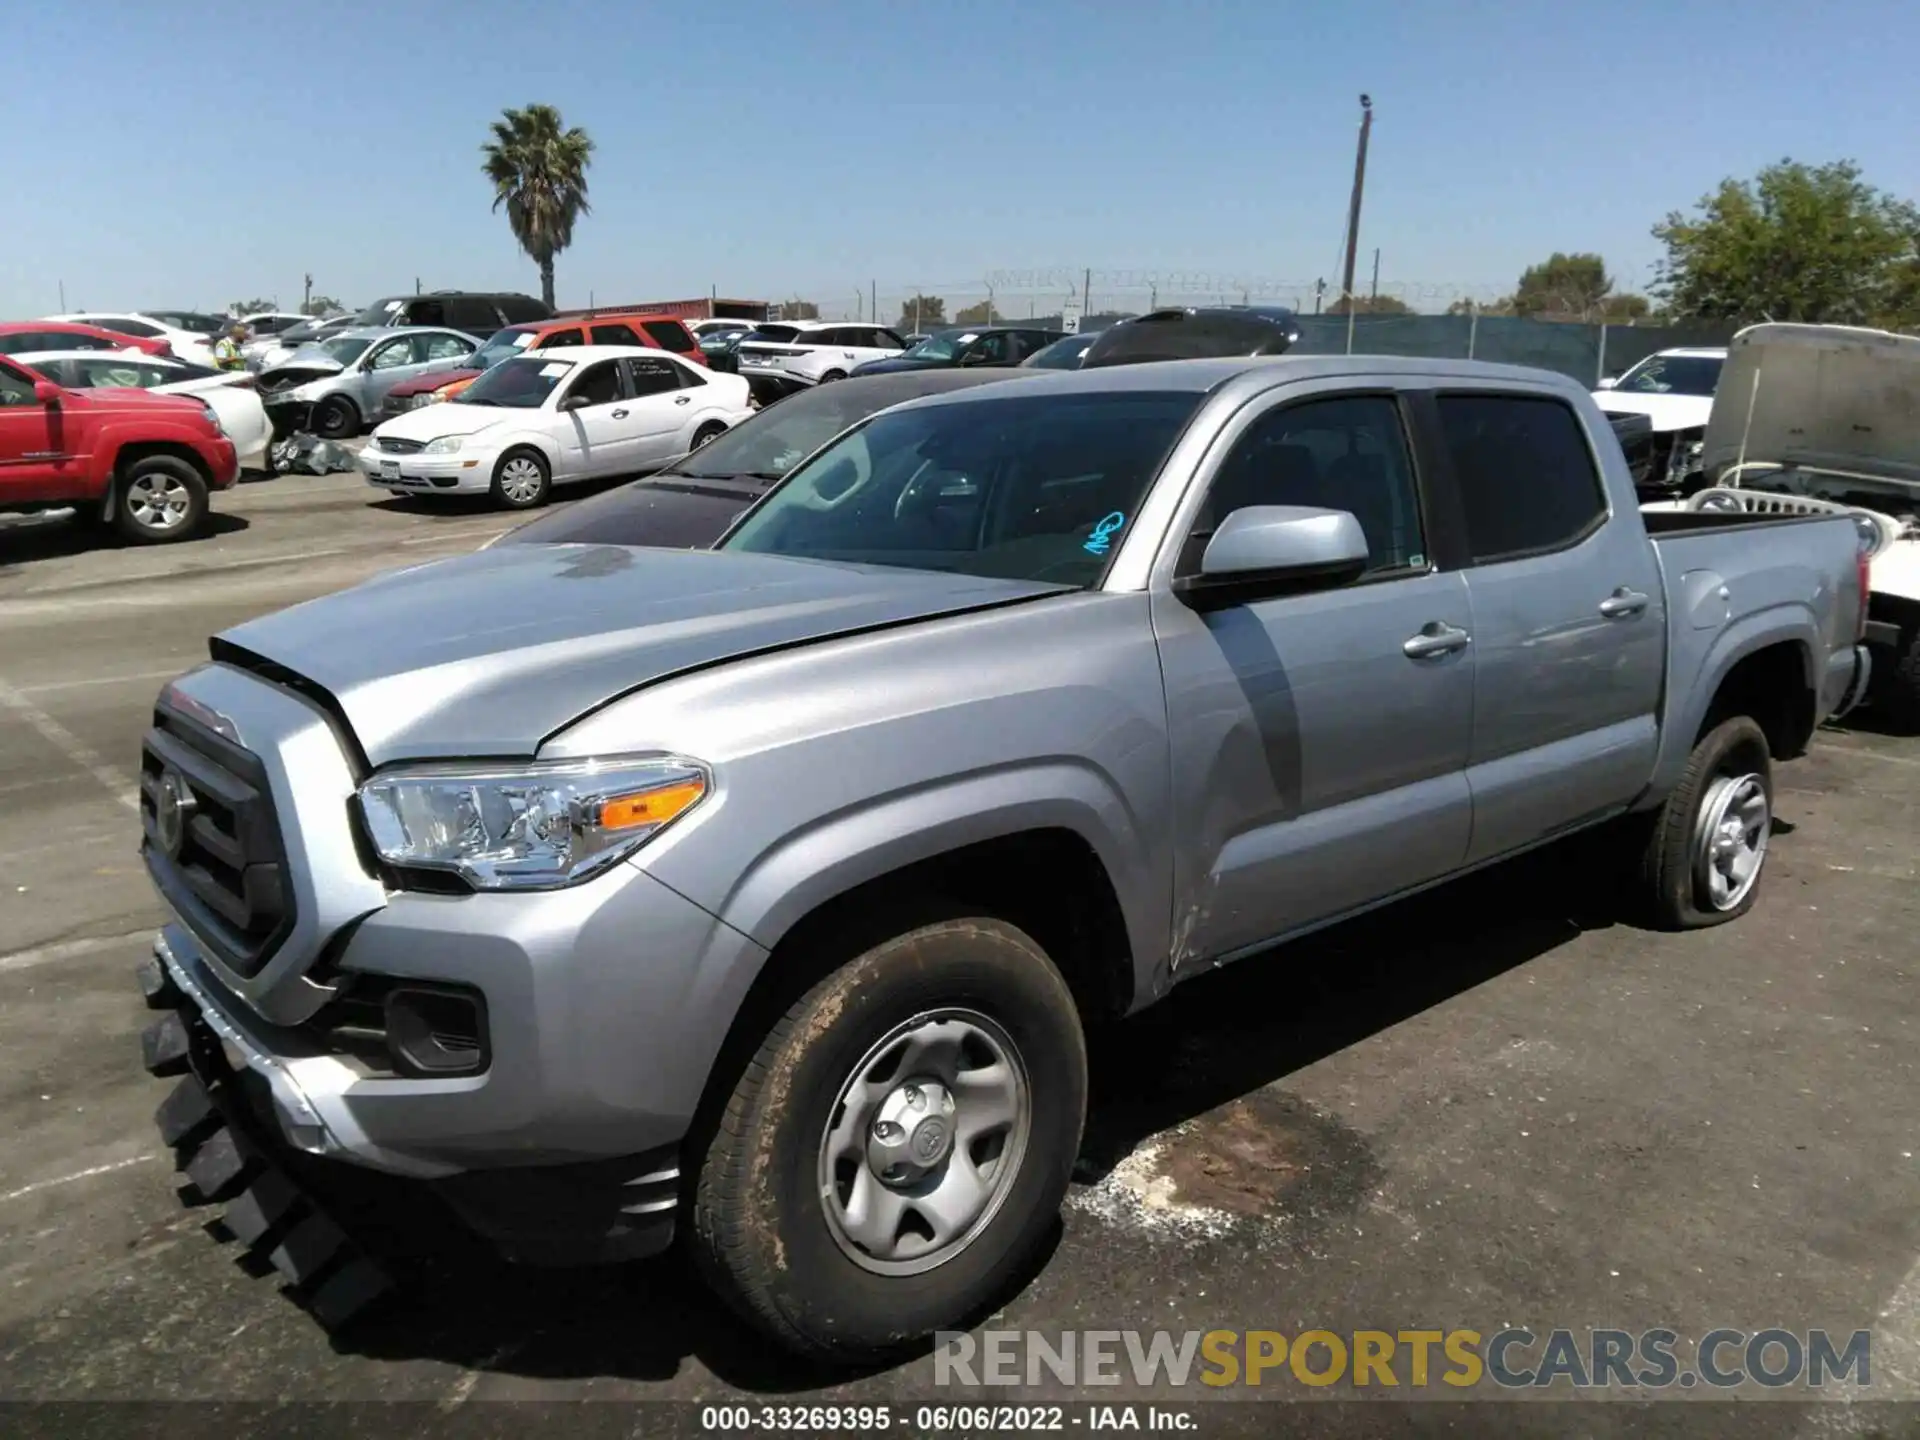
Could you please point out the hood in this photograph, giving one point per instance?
(430, 422)
(1827, 397)
(490, 654)
(676, 512)
(899, 363)
(1667, 412)
(427, 384)
(110, 398)
(306, 364)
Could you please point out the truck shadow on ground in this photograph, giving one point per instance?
(1216, 1040)
(57, 537)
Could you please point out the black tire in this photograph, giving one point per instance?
(1896, 681)
(335, 418)
(831, 376)
(708, 433)
(760, 1227)
(507, 472)
(158, 500)
(1674, 886)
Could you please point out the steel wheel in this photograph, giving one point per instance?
(158, 502)
(1730, 843)
(924, 1142)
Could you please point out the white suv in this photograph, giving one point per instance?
(788, 355)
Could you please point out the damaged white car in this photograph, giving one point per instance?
(1827, 418)
(1674, 391)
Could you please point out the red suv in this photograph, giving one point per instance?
(657, 332)
(144, 464)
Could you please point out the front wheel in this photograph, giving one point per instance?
(1703, 859)
(336, 419)
(521, 480)
(831, 376)
(900, 1144)
(160, 499)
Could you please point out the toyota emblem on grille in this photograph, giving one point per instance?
(173, 804)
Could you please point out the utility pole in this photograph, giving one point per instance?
(1374, 294)
(63, 297)
(873, 299)
(1359, 185)
(990, 315)
(1086, 293)
(1319, 289)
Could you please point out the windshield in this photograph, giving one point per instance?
(1061, 354)
(945, 346)
(1673, 375)
(344, 350)
(1036, 488)
(503, 346)
(378, 313)
(518, 384)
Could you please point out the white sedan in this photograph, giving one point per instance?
(190, 335)
(232, 395)
(538, 421)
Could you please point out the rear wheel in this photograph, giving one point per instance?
(336, 419)
(708, 433)
(521, 480)
(1896, 687)
(160, 499)
(1709, 841)
(899, 1146)
(832, 375)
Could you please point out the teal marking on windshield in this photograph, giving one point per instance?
(1101, 540)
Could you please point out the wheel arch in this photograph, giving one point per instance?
(1764, 666)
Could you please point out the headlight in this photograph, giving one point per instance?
(445, 445)
(213, 417)
(531, 827)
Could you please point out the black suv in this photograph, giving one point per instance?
(476, 312)
(1191, 334)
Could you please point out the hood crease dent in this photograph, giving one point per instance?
(489, 655)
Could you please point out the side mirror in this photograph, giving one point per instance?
(1265, 550)
(46, 392)
(1607, 382)
(573, 402)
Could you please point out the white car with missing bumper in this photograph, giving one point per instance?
(783, 356)
(230, 395)
(538, 421)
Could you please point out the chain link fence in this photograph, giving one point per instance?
(1446, 322)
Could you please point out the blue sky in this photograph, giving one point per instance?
(197, 152)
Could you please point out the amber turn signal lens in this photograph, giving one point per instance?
(650, 807)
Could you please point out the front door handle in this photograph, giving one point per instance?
(619, 414)
(1623, 603)
(1436, 638)
(681, 399)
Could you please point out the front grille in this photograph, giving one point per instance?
(394, 445)
(223, 867)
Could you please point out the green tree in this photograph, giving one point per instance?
(1810, 243)
(321, 305)
(799, 310)
(1573, 287)
(539, 172)
(921, 312)
(250, 307)
(979, 313)
(1371, 305)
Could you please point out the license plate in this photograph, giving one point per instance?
(390, 467)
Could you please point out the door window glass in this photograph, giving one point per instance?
(392, 355)
(599, 384)
(614, 335)
(1525, 472)
(1346, 452)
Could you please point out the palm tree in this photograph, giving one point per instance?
(539, 172)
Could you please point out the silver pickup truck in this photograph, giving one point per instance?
(763, 895)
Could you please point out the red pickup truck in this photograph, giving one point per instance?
(143, 464)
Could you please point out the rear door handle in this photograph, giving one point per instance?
(619, 414)
(1623, 603)
(682, 399)
(1436, 638)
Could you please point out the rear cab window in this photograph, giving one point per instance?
(1526, 475)
(615, 335)
(668, 334)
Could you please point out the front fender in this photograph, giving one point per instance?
(810, 867)
(1697, 671)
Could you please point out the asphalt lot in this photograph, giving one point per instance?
(1496, 1104)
